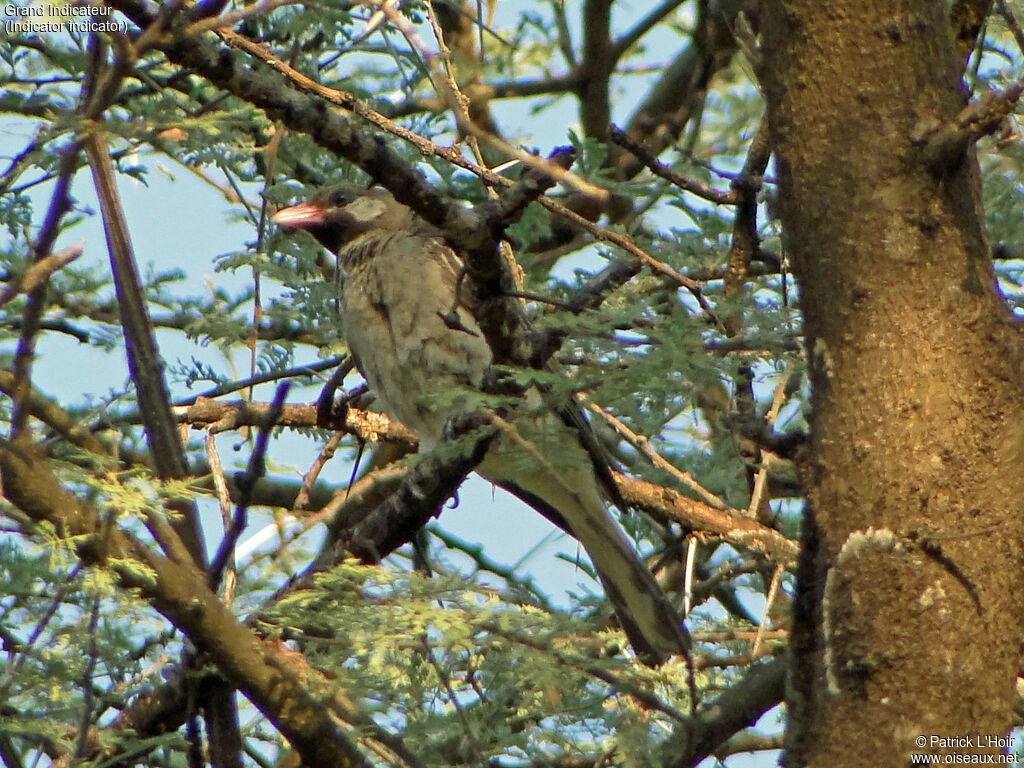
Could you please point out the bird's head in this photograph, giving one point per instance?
(339, 214)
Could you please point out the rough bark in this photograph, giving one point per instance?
(909, 616)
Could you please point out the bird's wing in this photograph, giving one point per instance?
(414, 354)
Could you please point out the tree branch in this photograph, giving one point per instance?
(145, 363)
(942, 145)
(597, 65)
(738, 707)
(671, 175)
(667, 505)
(294, 696)
(669, 104)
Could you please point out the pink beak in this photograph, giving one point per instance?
(301, 216)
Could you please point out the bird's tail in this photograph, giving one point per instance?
(569, 489)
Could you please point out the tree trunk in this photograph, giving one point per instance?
(909, 613)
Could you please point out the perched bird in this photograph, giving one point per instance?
(422, 352)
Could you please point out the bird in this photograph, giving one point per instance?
(411, 330)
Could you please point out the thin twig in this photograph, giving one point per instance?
(761, 478)
(482, 562)
(87, 692)
(642, 444)
(11, 672)
(453, 698)
(1011, 23)
(345, 510)
(220, 488)
(626, 243)
(246, 482)
(40, 271)
(645, 25)
(307, 369)
(60, 204)
(698, 188)
(641, 694)
(309, 479)
(468, 127)
(688, 568)
(773, 591)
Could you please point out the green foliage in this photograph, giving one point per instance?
(474, 664)
(470, 676)
(57, 620)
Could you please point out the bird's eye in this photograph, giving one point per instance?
(340, 197)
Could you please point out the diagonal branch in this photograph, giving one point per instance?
(698, 188)
(738, 707)
(295, 697)
(60, 204)
(144, 363)
(645, 25)
(40, 272)
(672, 101)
